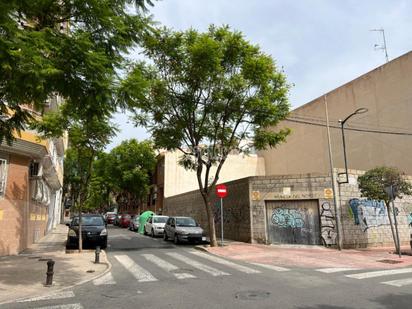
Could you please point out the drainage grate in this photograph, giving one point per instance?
(252, 295)
(390, 261)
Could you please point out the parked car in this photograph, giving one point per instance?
(155, 225)
(93, 231)
(134, 223)
(110, 217)
(183, 229)
(124, 220)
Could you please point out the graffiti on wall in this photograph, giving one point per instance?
(327, 225)
(230, 215)
(286, 217)
(368, 213)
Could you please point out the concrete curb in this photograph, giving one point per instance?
(108, 269)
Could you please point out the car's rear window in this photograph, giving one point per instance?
(96, 221)
(185, 222)
(160, 219)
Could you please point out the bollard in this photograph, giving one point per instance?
(50, 272)
(97, 255)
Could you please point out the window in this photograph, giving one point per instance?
(3, 176)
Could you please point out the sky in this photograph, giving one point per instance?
(319, 44)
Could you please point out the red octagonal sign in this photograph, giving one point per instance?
(221, 191)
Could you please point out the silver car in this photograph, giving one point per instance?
(183, 229)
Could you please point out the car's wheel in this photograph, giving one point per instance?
(176, 239)
(165, 238)
(152, 234)
(104, 245)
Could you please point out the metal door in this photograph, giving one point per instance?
(293, 222)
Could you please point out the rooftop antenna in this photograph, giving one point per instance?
(381, 47)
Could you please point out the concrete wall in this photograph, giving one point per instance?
(368, 228)
(385, 92)
(236, 215)
(177, 180)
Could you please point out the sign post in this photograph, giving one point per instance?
(221, 191)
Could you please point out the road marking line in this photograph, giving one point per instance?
(272, 267)
(137, 271)
(373, 274)
(399, 283)
(59, 295)
(167, 266)
(335, 269)
(213, 271)
(219, 260)
(68, 306)
(105, 280)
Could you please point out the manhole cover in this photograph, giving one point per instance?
(252, 295)
(390, 261)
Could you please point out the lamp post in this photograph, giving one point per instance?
(359, 111)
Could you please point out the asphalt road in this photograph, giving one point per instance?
(152, 273)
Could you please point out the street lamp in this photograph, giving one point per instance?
(359, 111)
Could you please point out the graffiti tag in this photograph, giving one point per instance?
(327, 221)
(285, 217)
(368, 213)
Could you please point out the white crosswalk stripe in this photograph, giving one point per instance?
(228, 263)
(335, 269)
(106, 279)
(213, 271)
(380, 273)
(58, 295)
(137, 271)
(271, 267)
(68, 306)
(399, 283)
(167, 266)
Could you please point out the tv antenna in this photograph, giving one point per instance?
(381, 46)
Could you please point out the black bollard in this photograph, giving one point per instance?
(50, 272)
(97, 255)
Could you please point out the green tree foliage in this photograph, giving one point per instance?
(65, 47)
(207, 94)
(124, 171)
(373, 183)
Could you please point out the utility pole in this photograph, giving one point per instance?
(382, 47)
(335, 208)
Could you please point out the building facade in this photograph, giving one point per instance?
(381, 136)
(31, 180)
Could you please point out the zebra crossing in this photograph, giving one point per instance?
(149, 268)
(364, 275)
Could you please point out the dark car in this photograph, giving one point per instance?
(94, 231)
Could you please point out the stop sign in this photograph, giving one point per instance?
(221, 191)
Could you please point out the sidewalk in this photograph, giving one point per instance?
(312, 256)
(24, 275)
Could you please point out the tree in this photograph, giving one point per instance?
(373, 183)
(89, 132)
(70, 48)
(124, 171)
(207, 94)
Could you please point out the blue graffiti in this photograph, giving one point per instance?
(410, 219)
(285, 217)
(368, 213)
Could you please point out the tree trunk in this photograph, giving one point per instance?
(211, 220)
(392, 228)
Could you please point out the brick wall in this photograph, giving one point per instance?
(236, 215)
(14, 207)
